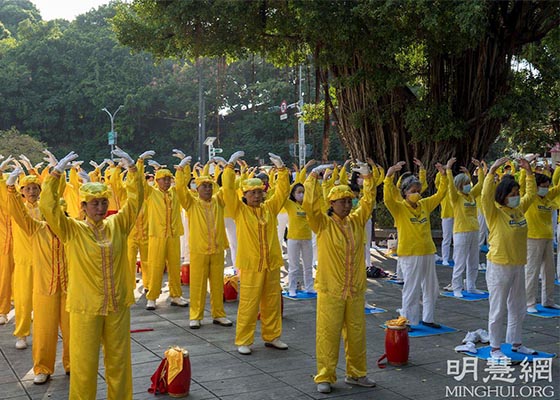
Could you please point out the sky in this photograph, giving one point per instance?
(66, 9)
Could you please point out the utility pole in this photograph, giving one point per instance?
(301, 124)
(201, 113)
(112, 136)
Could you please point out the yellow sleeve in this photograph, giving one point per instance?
(433, 201)
(312, 201)
(530, 192)
(452, 190)
(19, 213)
(127, 215)
(389, 195)
(51, 211)
(300, 176)
(343, 176)
(488, 197)
(183, 194)
(365, 205)
(233, 203)
(477, 189)
(423, 180)
(556, 176)
(281, 191)
(522, 181)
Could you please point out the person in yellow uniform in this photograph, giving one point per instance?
(540, 251)
(205, 214)
(49, 285)
(164, 245)
(23, 270)
(466, 252)
(341, 277)
(259, 257)
(138, 238)
(415, 247)
(6, 250)
(504, 210)
(99, 292)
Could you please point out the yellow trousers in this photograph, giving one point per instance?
(50, 313)
(259, 289)
(6, 273)
(164, 252)
(135, 246)
(207, 267)
(336, 316)
(87, 333)
(23, 297)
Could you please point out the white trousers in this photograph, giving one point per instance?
(419, 273)
(367, 245)
(314, 243)
(558, 255)
(447, 235)
(231, 234)
(482, 229)
(466, 254)
(506, 285)
(282, 219)
(297, 248)
(540, 260)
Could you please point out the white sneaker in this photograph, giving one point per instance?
(179, 302)
(524, 350)
(277, 344)
(41, 379)
(21, 343)
(3, 319)
(458, 293)
(532, 309)
(292, 293)
(151, 305)
(363, 381)
(446, 263)
(471, 337)
(324, 387)
(369, 306)
(245, 350)
(448, 288)
(223, 321)
(483, 336)
(475, 291)
(498, 356)
(481, 266)
(194, 324)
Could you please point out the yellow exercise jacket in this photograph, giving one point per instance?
(99, 279)
(464, 206)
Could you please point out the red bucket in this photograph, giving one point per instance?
(396, 346)
(230, 294)
(185, 274)
(181, 384)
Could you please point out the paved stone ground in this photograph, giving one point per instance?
(219, 372)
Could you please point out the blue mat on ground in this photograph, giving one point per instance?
(300, 295)
(467, 296)
(545, 312)
(395, 282)
(451, 263)
(375, 310)
(484, 248)
(423, 330)
(557, 282)
(484, 353)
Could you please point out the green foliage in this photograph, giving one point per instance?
(13, 12)
(14, 143)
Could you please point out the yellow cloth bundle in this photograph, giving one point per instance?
(401, 321)
(174, 356)
(233, 280)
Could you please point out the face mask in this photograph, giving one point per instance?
(543, 191)
(193, 186)
(298, 196)
(513, 202)
(467, 189)
(414, 197)
(355, 202)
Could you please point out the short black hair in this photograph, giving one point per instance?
(542, 178)
(506, 185)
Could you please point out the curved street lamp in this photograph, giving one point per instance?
(112, 134)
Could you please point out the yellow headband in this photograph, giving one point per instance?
(252, 184)
(340, 192)
(203, 179)
(94, 190)
(28, 180)
(162, 173)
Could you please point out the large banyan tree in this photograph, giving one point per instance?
(411, 78)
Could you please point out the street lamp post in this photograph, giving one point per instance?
(112, 135)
